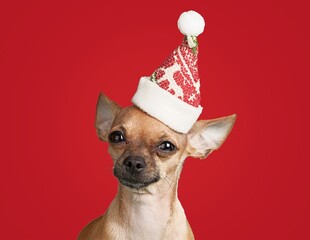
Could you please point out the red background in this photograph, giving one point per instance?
(56, 56)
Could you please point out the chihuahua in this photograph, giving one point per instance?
(148, 157)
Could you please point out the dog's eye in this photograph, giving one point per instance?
(166, 146)
(116, 137)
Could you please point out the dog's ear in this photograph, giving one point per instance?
(105, 115)
(208, 135)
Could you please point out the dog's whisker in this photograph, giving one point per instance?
(169, 184)
(169, 178)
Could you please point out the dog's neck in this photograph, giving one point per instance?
(147, 212)
(150, 213)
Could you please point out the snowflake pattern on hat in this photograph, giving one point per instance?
(179, 74)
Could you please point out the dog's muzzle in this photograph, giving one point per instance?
(133, 173)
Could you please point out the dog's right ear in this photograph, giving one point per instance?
(105, 115)
(208, 135)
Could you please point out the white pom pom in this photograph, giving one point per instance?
(191, 23)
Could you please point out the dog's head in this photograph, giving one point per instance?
(144, 150)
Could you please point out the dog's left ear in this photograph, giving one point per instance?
(208, 135)
(105, 115)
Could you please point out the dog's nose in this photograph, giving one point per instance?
(134, 164)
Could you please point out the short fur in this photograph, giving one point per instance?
(152, 212)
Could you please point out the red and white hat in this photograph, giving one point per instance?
(171, 94)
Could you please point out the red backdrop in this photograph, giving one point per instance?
(56, 56)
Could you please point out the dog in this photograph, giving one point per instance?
(148, 157)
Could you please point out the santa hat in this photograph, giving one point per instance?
(171, 94)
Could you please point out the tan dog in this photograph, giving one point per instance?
(148, 157)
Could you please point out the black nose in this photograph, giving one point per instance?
(134, 164)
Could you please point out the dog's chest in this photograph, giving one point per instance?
(148, 219)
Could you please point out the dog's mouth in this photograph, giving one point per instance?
(137, 184)
(136, 179)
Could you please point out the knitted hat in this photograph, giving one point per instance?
(171, 94)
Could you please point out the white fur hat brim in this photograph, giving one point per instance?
(160, 104)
